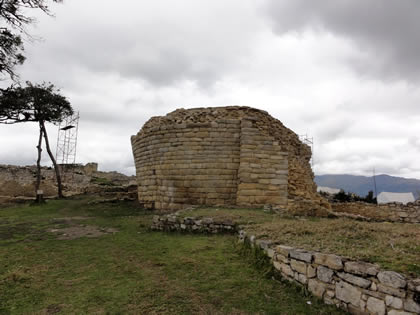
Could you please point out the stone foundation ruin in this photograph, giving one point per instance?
(222, 156)
(17, 183)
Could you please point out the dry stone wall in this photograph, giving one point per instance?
(392, 212)
(356, 286)
(17, 183)
(221, 156)
(174, 222)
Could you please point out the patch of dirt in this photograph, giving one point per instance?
(75, 232)
(67, 220)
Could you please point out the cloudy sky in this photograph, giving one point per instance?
(345, 72)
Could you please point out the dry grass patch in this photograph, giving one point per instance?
(394, 246)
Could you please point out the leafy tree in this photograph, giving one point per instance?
(39, 103)
(369, 198)
(13, 20)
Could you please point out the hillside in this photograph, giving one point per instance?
(362, 184)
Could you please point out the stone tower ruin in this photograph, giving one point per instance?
(222, 156)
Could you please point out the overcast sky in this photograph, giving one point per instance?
(345, 72)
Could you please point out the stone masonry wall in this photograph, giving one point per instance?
(263, 170)
(188, 163)
(222, 156)
(392, 212)
(356, 286)
(17, 183)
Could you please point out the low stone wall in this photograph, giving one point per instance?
(173, 222)
(17, 183)
(393, 212)
(355, 286)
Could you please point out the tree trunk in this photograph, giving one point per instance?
(38, 166)
(57, 170)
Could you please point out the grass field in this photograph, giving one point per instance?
(134, 270)
(394, 246)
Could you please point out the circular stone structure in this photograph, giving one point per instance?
(225, 156)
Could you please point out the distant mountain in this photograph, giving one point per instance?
(362, 184)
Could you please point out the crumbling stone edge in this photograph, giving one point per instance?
(355, 286)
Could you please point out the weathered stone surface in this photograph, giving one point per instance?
(392, 279)
(298, 266)
(347, 293)
(277, 265)
(198, 157)
(414, 285)
(325, 274)
(302, 278)
(270, 252)
(284, 269)
(355, 310)
(376, 306)
(311, 271)
(284, 250)
(395, 312)
(316, 287)
(361, 268)
(328, 260)
(411, 306)
(360, 282)
(391, 291)
(301, 255)
(394, 302)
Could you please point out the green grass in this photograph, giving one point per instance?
(394, 246)
(133, 271)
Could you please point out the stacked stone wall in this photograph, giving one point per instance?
(17, 183)
(222, 156)
(263, 170)
(392, 212)
(188, 163)
(170, 223)
(356, 286)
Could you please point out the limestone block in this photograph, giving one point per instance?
(376, 306)
(392, 279)
(325, 274)
(316, 287)
(411, 306)
(360, 282)
(393, 302)
(285, 269)
(392, 291)
(361, 268)
(330, 261)
(298, 266)
(347, 293)
(395, 312)
(311, 271)
(301, 255)
(414, 285)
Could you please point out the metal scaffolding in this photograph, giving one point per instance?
(310, 142)
(67, 142)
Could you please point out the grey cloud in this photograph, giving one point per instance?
(385, 31)
(156, 42)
